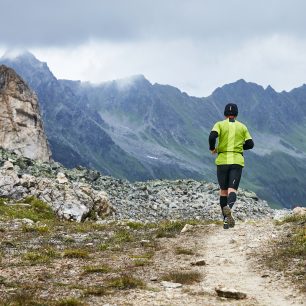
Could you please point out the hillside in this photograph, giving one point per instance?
(137, 130)
(75, 133)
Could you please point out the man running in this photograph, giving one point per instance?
(234, 137)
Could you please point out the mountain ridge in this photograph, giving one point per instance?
(166, 130)
(60, 104)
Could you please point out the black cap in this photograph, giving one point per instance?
(231, 109)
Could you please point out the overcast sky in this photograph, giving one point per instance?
(195, 45)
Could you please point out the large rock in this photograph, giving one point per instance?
(299, 211)
(72, 200)
(20, 120)
(230, 293)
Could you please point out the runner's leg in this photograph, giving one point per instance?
(234, 180)
(222, 174)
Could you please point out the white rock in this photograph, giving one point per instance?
(299, 211)
(27, 221)
(171, 285)
(8, 165)
(186, 228)
(280, 214)
(61, 178)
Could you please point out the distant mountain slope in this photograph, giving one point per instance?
(162, 132)
(75, 133)
(158, 122)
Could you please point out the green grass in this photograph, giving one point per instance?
(288, 253)
(125, 282)
(76, 253)
(3, 201)
(43, 255)
(69, 302)
(169, 229)
(148, 255)
(135, 225)
(36, 211)
(6, 282)
(141, 262)
(22, 298)
(86, 227)
(183, 251)
(118, 240)
(104, 246)
(186, 278)
(41, 229)
(122, 236)
(97, 269)
(96, 290)
(293, 218)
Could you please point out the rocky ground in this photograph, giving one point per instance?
(79, 193)
(52, 262)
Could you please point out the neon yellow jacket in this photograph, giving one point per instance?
(232, 134)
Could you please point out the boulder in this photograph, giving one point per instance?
(61, 178)
(8, 165)
(230, 293)
(187, 228)
(299, 211)
(199, 262)
(70, 200)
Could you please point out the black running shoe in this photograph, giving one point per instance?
(228, 214)
(225, 224)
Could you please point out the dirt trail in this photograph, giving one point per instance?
(228, 254)
(229, 257)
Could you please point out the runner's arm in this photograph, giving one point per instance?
(249, 144)
(212, 140)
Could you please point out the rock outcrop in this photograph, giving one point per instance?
(72, 201)
(143, 201)
(21, 125)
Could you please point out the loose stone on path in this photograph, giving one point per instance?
(171, 285)
(230, 293)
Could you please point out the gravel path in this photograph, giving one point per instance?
(229, 255)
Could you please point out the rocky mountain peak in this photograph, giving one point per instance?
(24, 64)
(25, 57)
(21, 125)
(270, 90)
(135, 81)
(11, 82)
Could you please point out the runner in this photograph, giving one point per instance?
(234, 137)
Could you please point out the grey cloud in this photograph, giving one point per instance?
(59, 22)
